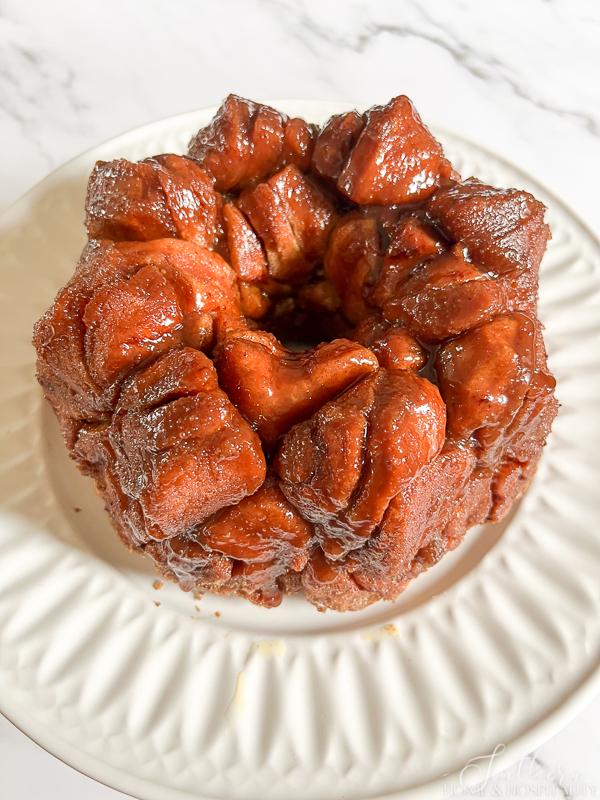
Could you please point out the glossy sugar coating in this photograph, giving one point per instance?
(299, 359)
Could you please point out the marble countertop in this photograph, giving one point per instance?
(521, 78)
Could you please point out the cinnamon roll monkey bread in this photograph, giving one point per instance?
(300, 358)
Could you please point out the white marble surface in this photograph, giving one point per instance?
(519, 77)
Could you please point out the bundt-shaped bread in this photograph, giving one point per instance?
(301, 359)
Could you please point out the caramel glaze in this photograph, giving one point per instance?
(301, 359)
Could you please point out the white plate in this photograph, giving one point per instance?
(489, 652)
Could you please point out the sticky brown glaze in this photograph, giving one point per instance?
(407, 242)
(265, 536)
(160, 197)
(328, 584)
(371, 253)
(421, 510)
(275, 388)
(320, 295)
(182, 450)
(292, 218)
(484, 376)
(351, 260)
(126, 303)
(395, 158)
(248, 548)
(246, 253)
(394, 346)
(335, 143)
(503, 229)
(444, 297)
(342, 467)
(316, 382)
(246, 142)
